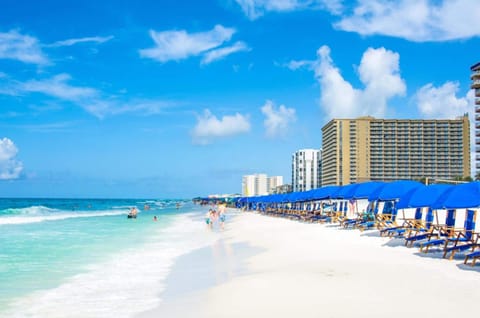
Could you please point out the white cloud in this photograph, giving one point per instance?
(90, 99)
(415, 20)
(70, 42)
(59, 88)
(209, 127)
(378, 71)
(178, 45)
(277, 120)
(254, 9)
(220, 53)
(295, 65)
(23, 48)
(442, 102)
(10, 168)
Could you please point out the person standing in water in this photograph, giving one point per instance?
(221, 215)
(208, 218)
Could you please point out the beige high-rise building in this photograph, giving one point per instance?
(365, 148)
(476, 87)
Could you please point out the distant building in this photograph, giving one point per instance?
(363, 149)
(260, 184)
(476, 86)
(306, 169)
(284, 188)
(273, 183)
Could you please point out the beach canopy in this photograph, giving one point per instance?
(364, 190)
(466, 195)
(394, 190)
(324, 193)
(424, 196)
(346, 191)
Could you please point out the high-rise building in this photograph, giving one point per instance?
(363, 149)
(476, 87)
(306, 169)
(274, 182)
(255, 184)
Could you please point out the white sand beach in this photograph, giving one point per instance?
(319, 270)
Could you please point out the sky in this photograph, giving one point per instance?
(177, 98)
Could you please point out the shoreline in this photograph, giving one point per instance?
(290, 268)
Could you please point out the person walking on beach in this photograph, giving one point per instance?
(221, 215)
(208, 218)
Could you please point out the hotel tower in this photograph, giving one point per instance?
(476, 87)
(306, 169)
(364, 149)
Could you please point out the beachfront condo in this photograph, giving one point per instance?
(370, 149)
(260, 184)
(306, 169)
(476, 87)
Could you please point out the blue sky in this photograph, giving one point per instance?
(181, 98)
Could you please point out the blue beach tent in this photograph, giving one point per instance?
(394, 190)
(324, 193)
(364, 190)
(346, 191)
(424, 196)
(465, 195)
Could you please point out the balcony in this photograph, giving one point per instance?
(475, 74)
(476, 84)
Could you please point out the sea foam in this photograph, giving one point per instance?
(127, 284)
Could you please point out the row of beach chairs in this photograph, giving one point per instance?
(427, 236)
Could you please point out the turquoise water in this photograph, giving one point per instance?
(54, 248)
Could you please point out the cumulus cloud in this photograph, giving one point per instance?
(20, 47)
(378, 71)
(415, 20)
(277, 120)
(10, 168)
(254, 9)
(209, 127)
(178, 45)
(442, 102)
(70, 42)
(220, 53)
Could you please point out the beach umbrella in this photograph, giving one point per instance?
(466, 195)
(394, 190)
(364, 190)
(324, 193)
(346, 191)
(424, 196)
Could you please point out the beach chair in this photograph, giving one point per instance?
(394, 230)
(472, 256)
(466, 239)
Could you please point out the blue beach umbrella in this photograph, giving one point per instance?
(324, 193)
(364, 190)
(346, 191)
(394, 190)
(423, 196)
(465, 195)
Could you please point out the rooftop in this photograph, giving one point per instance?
(475, 67)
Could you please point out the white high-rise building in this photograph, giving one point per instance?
(274, 182)
(255, 184)
(260, 184)
(306, 169)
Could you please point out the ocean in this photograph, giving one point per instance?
(84, 258)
